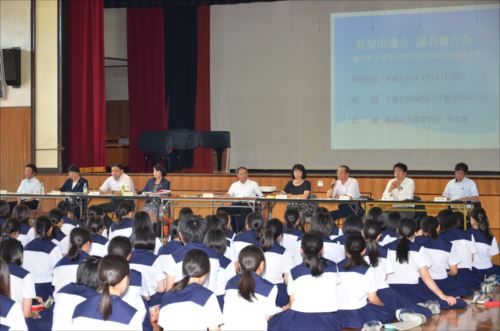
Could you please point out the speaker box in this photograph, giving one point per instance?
(12, 66)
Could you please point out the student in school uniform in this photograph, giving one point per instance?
(65, 269)
(376, 257)
(352, 225)
(250, 300)
(278, 261)
(226, 223)
(411, 263)
(10, 229)
(142, 219)
(452, 231)
(357, 297)
(26, 233)
(336, 232)
(123, 226)
(143, 258)
(40, 257)
(390, 233)
(189, 305)
(58, 236)
(107, 310)
(443, 257)
(11, 314)
(293, 229)
(97, 227)
(68, 217)
(312, 287)
(254, 223)
(173, 244)
(72, 294)
(215, 222)
(22, 285)
(486, 245)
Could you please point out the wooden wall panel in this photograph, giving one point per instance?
(15, 145)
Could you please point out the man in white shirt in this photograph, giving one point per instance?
(243, 188)
(29, 185)
(401, 187)
(461, 187)
(343, 186)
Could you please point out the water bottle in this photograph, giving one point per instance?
(85, 188)
(122, 191)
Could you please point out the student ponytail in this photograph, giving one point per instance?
(94, 223)
(354, 247)
(4, 278)
(249, 261)
(479, 214)
(312, 244)
(112, 269)
(78, 237)
(430, 225)
(43, 225)
(195, 264)
(272, 230)
(255, 222)
(124, 209)
(406, 230)
(292, 216)
(372, 230)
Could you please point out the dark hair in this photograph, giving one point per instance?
(112, 269)
(124, 209)
(21, 212)
(239, 168)
(11, 226)
(255, 221)
(87, 274)
(224, 216)
(33, 167)
(292, 216)
(401, 166)
(272, 230)
(74, 168)
(249, 260)
(322, 224)
(120, 246)
(4, 209)
(429, 225)
(144, 237)
(192, 229)
(174, 230)
(94, 223)
(300, 167)
(372, 230)
(216, 240)
(43, 226)
(159, 167)
(56, 216)
(354, 247)
(353, 224)
(195, 264)
(77, 237)
(346, 168)
(11, 250)
(375, 213)
(141, 218)
(321, 210)
(479, 214)
(96, 210)
(462, 167)
(214, 222)
(65, 207)
(447, 219)
(312, 244)
(391, 222)
(185, 211)
(406, 229)
(118, 165)
(4, 278)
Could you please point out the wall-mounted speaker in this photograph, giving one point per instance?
(12, 66)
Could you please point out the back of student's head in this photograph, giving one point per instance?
(192, 229)
(4, 278)
(141, 218)
(391, 222)
(322, 224)
(224, 216)
(11, 250)
(459, 220)
(273, 230)
(95, 224)
(216, 240)
(65, 207)
(430, 225)
(407, 228)
(292, 218)
(254, 221)
(11, 226)
(124, 208)
(354, 249)
(447, 219)
(321, 210)
(371, 231)
(21, 212)
(87, 274)
(111, 270)
(195, 264)
(78, 238)
(312, 246)
(250, 259)
(174, 230)
(353, 224)
(375, 213)
(96, 210)
(143, 237)
(120, 246)
(4, 209)
(56, 215)
(185, 211)
(43, 227)
(478, 214)
(214, 222)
